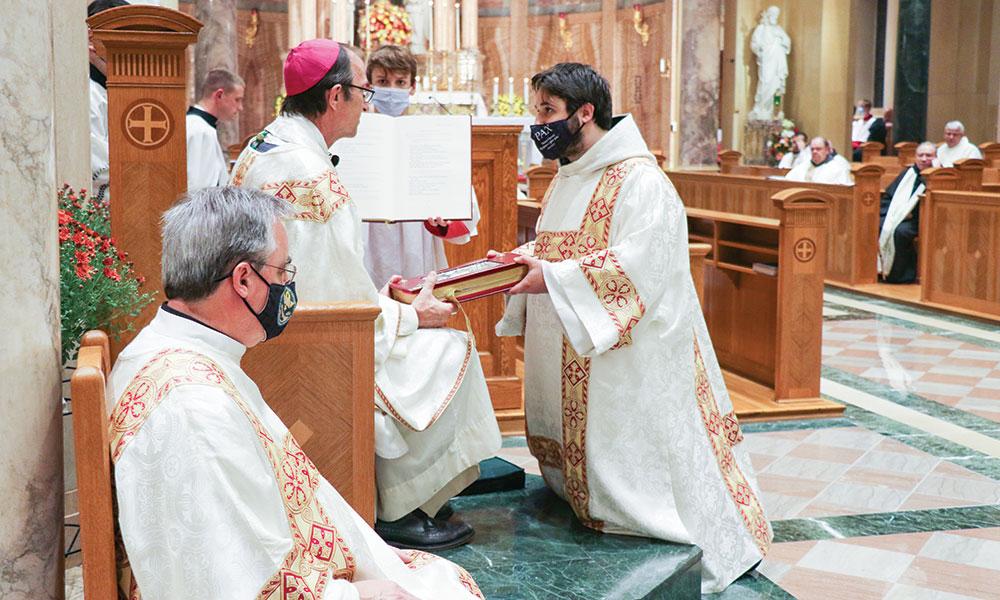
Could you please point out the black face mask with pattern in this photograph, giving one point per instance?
(281, 301)
(553, 139)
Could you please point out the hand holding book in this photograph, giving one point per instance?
(492, 275)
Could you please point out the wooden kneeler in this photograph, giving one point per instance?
(93, 466)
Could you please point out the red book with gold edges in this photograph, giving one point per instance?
(466, 282)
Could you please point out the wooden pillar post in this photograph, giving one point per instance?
(869, 150)
(970, 174)
(802, 257)
(147, 100)
(696, 255)
(730, 159)
(937, 179)
(865, 221)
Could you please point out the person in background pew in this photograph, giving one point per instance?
(99, 157)
(899, 221)
(221, 100)
(824, 166)
(865, 128)
(626, 408)
(406, 249)
(798, 155)
(956, 146)
(215, 497)
(434, 421)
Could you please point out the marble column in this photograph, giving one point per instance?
(699, 82)
(342, 21)
(31, 483)
(216, 49)
(912, 66)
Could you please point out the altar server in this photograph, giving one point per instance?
(221, 100)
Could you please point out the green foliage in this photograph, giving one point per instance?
(99, 288)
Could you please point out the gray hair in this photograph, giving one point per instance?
(930, 145)
(955, 125)
(222, 79)
(209, 231)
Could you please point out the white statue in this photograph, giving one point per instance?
(771, 45)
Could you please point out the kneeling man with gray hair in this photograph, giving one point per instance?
(202, 463)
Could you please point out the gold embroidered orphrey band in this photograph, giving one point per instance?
(620, 299)
(318, 550)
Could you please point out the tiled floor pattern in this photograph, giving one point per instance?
(952, 372)
(947, 565)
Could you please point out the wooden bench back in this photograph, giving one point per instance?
(93, 465)
(539, 179)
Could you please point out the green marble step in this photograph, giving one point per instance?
(529, 545)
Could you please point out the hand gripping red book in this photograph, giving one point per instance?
(470, 281)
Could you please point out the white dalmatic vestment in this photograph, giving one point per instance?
(215, 497)
(835, 170)
(626, 408)
(412, 249)
(790, 160)
(434, 421)
(99, 161)
(964, 149)
(206, 162)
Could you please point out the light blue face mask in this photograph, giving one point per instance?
(391, 101)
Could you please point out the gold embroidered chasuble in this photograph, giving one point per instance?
(434, 421)
(215, 497)
(632, 424)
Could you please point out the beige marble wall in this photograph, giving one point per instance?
(69, 54)
(699, 84)
(30, 431)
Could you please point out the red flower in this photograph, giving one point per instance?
(112, 274)
(63, 234)
(64, 217)
(82, 256)
(108, 261)
(84, 271)
(79, 238)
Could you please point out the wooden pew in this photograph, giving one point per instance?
(991, 153)
(319, 377)
(852, 221)
(907, 153)
(494, 177)
(730, 163)
(539, 178)
(871, 152)
(970, 174)
(767, 329)
(960, 251)
(697, 255)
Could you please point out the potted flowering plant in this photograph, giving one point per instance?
(780, 142)
(506, 106)
(99, 289)
(387, 24)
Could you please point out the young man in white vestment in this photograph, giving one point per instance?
(406, 249)
(215, 497)
(626, 408)
(99, 161)
(956, 146)
(899, 222)
(221, 100)
(824, 166)
(799, 153)
(434, 421)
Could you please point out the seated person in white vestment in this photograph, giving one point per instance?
(626, 408)
(956, 146)
(99, 161)
(215, 497)
(799, 153)
(406, 249)
(824, 165)
(221, 100)
(899, 222)
(434, 421)
(865, 127)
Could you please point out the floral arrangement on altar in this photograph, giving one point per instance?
(98, 286)
(509, 106)
(387, 24)
(780, 141)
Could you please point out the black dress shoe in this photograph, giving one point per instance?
(445, 512)
(421, 532)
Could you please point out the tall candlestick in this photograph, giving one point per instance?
(525, 93)
(451, 88)
(427, 83)
(496, 88)
(430, 21)
(458, 26)
(368, 26)
(434, 83)
(510, 89)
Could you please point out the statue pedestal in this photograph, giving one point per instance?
(756, 137)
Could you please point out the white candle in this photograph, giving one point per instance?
(430, 21)
(663, 65)
(496, 88)
(434, 83)
(458, 26)
(510, 88)
(525, 92)
(427, 83)
(451, 81)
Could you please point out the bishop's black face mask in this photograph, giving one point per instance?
(553, 139)
(281, 301)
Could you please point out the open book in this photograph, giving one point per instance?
(409, 168)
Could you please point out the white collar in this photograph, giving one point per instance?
(197, 334)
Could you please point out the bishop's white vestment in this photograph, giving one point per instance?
(215, 497)
(834, 170)
(206, 163)
(434, 421)
(412, 249)
(964, 149)
(626, 408)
